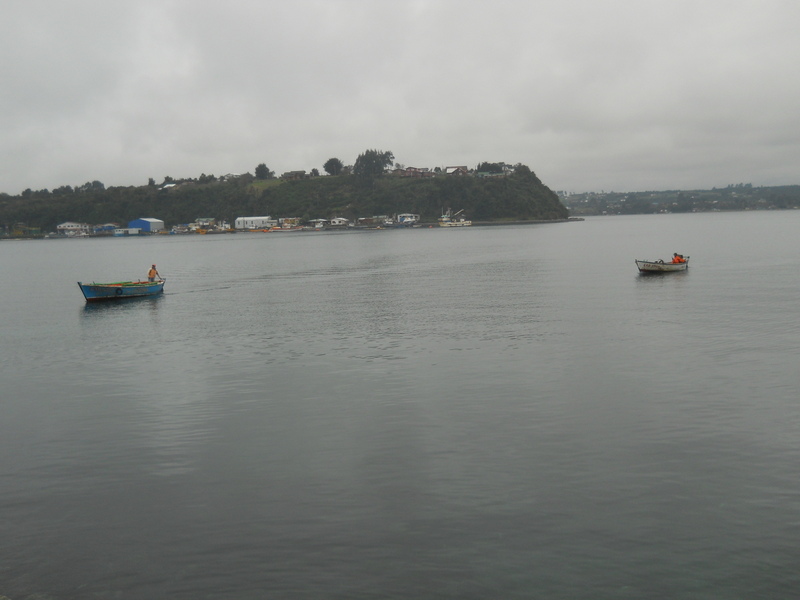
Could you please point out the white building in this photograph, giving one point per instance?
(71, 228)
(254, 222)
(122, 231)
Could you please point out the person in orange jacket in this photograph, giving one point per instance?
(678, 258)
(152, 274)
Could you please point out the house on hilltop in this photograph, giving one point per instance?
(414, 172)
(456, 171)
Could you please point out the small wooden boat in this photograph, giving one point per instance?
(120, 290)
(660, 266)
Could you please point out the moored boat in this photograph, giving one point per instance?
(407, 219)
(451, 220)
(120, 290)
(660, 266)
(401, 220)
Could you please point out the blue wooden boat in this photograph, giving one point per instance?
(120, 290)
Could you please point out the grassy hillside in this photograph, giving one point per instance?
(520, 196)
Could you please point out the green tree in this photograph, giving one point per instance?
(521, 170)
(91, 186)
(262, 172)
(333, 166)
(487, 167)
(372, 163)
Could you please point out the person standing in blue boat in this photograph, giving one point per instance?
(152, 274)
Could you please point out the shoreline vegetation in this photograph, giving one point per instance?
(492, 193)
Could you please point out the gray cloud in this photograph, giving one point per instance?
(618, 94)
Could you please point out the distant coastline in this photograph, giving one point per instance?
(731, 198)
(353, 229)
(509, 194)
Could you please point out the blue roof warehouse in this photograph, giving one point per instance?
(147, 225)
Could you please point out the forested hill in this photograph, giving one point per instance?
(516, 196)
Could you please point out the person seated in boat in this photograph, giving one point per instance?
(152, 274)
(678, 258)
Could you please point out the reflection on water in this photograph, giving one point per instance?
(90, 308)
(407, 414)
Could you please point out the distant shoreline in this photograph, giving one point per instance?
(420, 226)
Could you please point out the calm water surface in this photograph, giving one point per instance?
(497, 412)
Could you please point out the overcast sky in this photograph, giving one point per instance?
(622, 95)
